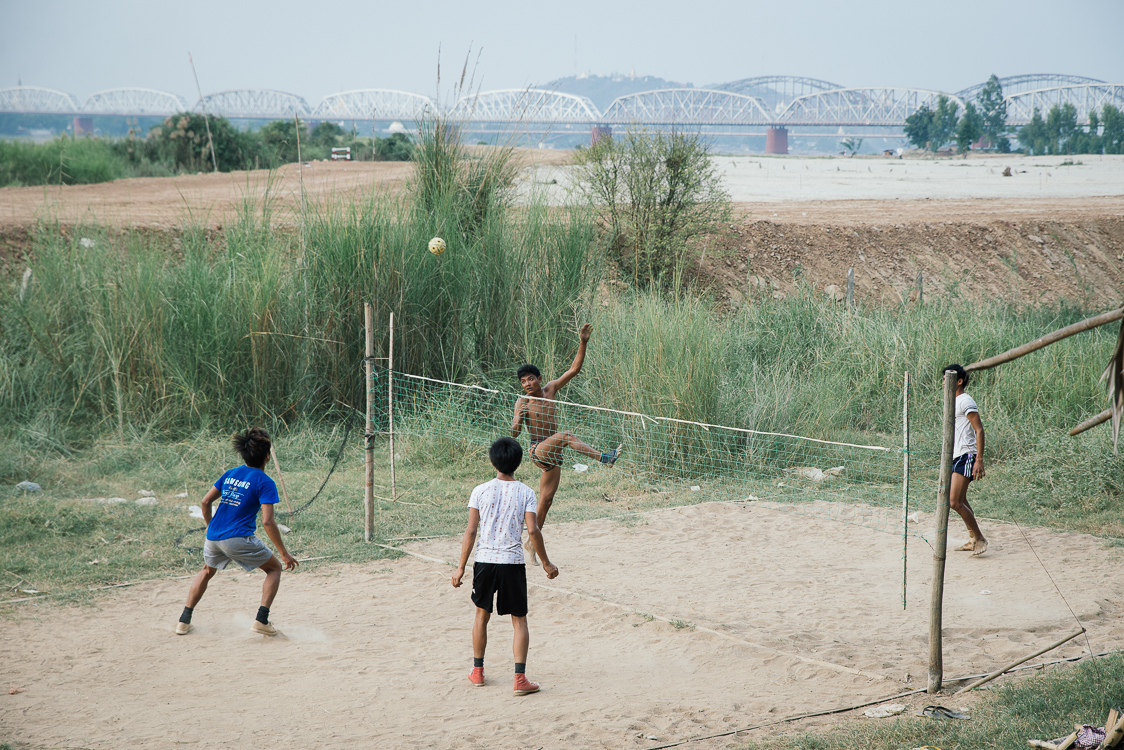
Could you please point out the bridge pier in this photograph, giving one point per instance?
(776, 140)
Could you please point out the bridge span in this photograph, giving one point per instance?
(773, 103)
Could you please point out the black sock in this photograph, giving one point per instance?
(520, 667)
(478, 662)
(263, 615)
(186, 616)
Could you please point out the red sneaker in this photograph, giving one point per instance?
(476, 676)
(523, 686)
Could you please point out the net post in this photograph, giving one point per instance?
(390, 410)
(936, 655)
(369, 430)
(905, 483)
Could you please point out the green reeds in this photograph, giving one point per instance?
(113, 329)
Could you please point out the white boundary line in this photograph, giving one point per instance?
(642, 417)
(727, 636)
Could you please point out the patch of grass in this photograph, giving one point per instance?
(1042, 705)
(48, 539)
(681, 624)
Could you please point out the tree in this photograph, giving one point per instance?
(182, 140)
(397, 147)
(993, 112)
(326, 135)
(852, 145)
(918, 126)
(1112, 135)
(1061, 128)
(933, 128)
(1033, 134)
(944, 122)
(281, 136)
(969, 129)
(655, 192)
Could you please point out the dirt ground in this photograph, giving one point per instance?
(1045, 234)
(662, 626)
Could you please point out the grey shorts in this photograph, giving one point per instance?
(247, 551)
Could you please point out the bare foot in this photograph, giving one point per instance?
(532, 559)
(979, 548)
(968, 546)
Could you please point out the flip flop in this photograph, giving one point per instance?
(940, 712)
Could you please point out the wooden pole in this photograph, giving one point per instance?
(1014, 664)
(905, 482)
(851, 288)
(390, 410)
(920, 287)
(304, 270)
(1058, 335)
(369, 431)
(281, 476)
(936, 604)
(1092, 422)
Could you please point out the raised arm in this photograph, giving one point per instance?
(552, 387)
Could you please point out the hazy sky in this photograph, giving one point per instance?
(315, 49)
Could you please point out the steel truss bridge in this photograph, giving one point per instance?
(768, 101)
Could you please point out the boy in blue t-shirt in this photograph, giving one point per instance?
(230, 531)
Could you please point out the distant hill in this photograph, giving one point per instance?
(602, 90)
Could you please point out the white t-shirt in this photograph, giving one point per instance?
(965, 433)
(502, 505)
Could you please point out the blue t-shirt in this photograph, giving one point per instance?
(244, 490)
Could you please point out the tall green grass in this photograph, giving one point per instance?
(265, 326)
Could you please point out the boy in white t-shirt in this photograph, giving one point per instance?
(499, 509)
(967, 461)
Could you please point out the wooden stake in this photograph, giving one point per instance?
(1113, 735)
(1014, 664)
(936, 604)
(1058, 335)
(905, 481)
(390, 410)
(920, 287)
(1092, 422)
(281, 476)
(851, 288)
(369, 430)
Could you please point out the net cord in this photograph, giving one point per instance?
(704, 425)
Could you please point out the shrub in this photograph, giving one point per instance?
(655, 192)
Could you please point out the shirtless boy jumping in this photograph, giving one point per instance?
(547, 441)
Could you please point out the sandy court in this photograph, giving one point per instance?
(805, 615)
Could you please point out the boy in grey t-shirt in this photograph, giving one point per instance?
(498, 510)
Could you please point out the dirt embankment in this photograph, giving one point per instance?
(1025, 261)
(1026, 250)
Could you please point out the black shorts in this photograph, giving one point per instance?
(507, 583)
(964, 465)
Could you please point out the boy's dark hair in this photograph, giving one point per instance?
(528, 370)
(961, 373)
(506, 455)
(253, 446)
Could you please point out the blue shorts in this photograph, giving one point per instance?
(964, 464)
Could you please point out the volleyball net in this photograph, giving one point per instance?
(861, 484)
